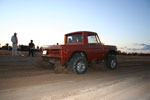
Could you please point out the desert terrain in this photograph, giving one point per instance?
(28, 78)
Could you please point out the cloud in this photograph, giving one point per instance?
(146, 47)
(137, 47)
(132, 49)
(143, 47)
(123, 47)
(142, 44)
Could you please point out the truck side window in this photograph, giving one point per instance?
(92, 39)
(74, 38)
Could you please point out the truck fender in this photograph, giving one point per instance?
(78, 53)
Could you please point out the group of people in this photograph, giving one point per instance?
(14, 41)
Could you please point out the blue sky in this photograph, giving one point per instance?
(125, 23)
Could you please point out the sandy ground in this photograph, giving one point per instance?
(23, 78)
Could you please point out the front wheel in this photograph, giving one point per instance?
(111, 62)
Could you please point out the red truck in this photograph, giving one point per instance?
(79, 50)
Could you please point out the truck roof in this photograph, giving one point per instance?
(78, 32)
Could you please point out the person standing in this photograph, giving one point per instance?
(31, 48)
(14, 41)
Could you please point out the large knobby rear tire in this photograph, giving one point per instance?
(111, 62)
(78, 65)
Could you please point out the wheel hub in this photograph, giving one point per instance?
(113, 63)
(81, 66)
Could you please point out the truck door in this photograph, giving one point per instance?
(95, 49)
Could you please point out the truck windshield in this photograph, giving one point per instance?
(74, 38)
(93, 39)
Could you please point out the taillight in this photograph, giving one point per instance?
(44, 52)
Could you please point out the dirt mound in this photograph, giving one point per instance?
(41, 64)
(5, 52)
(58, 69)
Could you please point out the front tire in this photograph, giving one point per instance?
(111, 62)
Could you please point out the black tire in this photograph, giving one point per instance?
(111, 62)
(78, 65)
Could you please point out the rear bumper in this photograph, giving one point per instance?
(56, 58)
(51, 56)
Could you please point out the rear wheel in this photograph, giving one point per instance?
(78, 65)
(111, 62)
